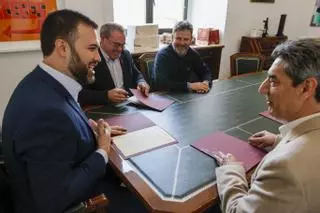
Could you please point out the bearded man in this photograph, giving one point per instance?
(54, 155)
(178, 67)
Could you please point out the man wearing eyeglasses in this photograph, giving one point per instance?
(115, 73)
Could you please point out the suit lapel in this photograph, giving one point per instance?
(105, 70)
(124, 67)
(62, 91)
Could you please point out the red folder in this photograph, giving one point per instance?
(268, 115)
(219, 141)
(131, 122)
(153, 101)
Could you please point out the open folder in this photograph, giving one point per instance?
(241, 150)
(153, 101)
(143, 135)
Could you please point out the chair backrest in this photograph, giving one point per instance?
(146, 65)
(242, 63)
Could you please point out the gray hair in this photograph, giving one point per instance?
(301, 60)
(108, 28)
(183, 25)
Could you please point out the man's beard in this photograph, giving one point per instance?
(181, 51)
(79, 70)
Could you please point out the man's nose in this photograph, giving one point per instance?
(263, 89)
(97, 56)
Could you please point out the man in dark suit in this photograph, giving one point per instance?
(55, 157)
(116, 72)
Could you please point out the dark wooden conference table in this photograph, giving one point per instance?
(179, 178)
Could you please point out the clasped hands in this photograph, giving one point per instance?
(118, 95)
(103, 133)
(260, 139)
(200, 87)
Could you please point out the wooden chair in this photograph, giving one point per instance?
(96, 204)
(146, 66)
(242, 63)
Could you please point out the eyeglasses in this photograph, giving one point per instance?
(117, 44)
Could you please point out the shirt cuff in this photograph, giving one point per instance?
(104, 155)
(189, 86)
(141, 81)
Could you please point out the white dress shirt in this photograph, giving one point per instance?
(73, 87)
(284, 129)
(115, 70)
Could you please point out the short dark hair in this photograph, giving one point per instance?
(108, 28)
(301, 60)
(62, 24)
(183, 25)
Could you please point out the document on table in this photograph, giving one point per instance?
(219, 141)
(140, 141)
(153, 101)
(131, 122)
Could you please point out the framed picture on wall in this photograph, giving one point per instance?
(21, 23)
(315, 18)
(262, 1)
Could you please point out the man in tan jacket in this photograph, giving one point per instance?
(288, 178)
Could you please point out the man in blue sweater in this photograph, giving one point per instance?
(180, 68)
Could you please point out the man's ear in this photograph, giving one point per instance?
(62, 47)
(309, 87)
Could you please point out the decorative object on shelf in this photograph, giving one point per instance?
(281, 25)
(263, 1)
(265, 28)
(207, 36)
(165, 38)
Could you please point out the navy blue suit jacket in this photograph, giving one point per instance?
(48, 146)
(96, 93)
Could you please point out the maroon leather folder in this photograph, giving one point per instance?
(219, 141)
(153, 101)
(131, 122)
(268, 115)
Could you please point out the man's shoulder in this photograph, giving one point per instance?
(193, 52)
(168, 50)
(126, 54)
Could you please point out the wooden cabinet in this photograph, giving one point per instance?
(210, 54)
(262, 46)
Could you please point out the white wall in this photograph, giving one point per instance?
(242, 16)
(208, 13)
(100, 11)
(15, 65)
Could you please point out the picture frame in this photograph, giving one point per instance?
(24, 44)
(315, 18)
